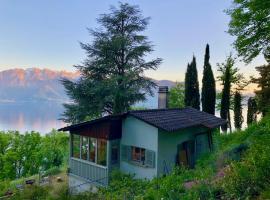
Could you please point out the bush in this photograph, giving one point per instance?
(250, 177)
(52, 171)
(31, 193)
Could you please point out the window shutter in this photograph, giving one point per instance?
(125, 152)
(149, 158)
(129, 153)
(124, 155)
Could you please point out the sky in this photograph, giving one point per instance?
(46, 34)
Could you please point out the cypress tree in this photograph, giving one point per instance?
(252, 111)
(192, 95)
(208, 85)
(237, 109)
(225, 99)
(263, 94)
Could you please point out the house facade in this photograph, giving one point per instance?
(146, 143)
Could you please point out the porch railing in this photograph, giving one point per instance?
(90, 171)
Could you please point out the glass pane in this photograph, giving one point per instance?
(143, 155)
(84, 149)
(102, 152)
(75, 146)
(138, 154)
(92, 149)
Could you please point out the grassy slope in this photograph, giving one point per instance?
(239, 168)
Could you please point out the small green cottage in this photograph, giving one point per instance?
(147, 143)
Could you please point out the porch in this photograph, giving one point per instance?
(90, 171)
(94, 150)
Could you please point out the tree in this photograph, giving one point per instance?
(250, 24)
(252, 111)
(112, 75)
(192, 95)
(208, 85)
(229, 76)
(176, 96)
(263, 82)
(238, 117)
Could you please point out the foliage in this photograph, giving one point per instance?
(229, 77)
(250, 177)
(192, 95)
(242, 156)
(250, 24)
(252, 111)
(238, 117)
(263, 95)
(31, 192)
(26, 154)
(208, 85)
(177, 96)
(112, 75)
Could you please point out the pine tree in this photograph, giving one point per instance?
(252, 111)
(208, 85)
(237, 108)
(192, 95)
(113, 73)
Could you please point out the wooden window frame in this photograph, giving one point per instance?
(88, 152)
(141, 161)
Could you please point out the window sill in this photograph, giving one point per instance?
(137, 164)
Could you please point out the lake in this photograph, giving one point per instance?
(37, 116)
(44, 116)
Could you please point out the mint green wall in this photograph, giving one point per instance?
(140, 134)
(167, 146)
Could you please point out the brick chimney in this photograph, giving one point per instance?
(163, 97)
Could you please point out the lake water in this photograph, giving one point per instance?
(44, 116)
(41, 117)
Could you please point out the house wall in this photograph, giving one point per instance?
(168, 143)
(140, 134)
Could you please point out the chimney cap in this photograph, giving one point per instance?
(163, 89)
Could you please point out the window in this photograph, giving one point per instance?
(114, 155)
(92, 149)
(75, 146)
(84, 148)
(101, 152)
(202, 144)
(138, 154)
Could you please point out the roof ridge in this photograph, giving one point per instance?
(155, 109)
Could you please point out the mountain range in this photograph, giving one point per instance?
(35, 84)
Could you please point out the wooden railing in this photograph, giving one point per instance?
(88, 170)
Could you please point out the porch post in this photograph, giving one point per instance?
(108, 159)
(70, 144)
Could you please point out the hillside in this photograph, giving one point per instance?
(238, 168)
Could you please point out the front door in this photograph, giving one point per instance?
(185, 154)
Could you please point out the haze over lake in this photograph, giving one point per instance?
(32, 99)
(44, 116)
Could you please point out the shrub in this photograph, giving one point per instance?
(32, 193)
